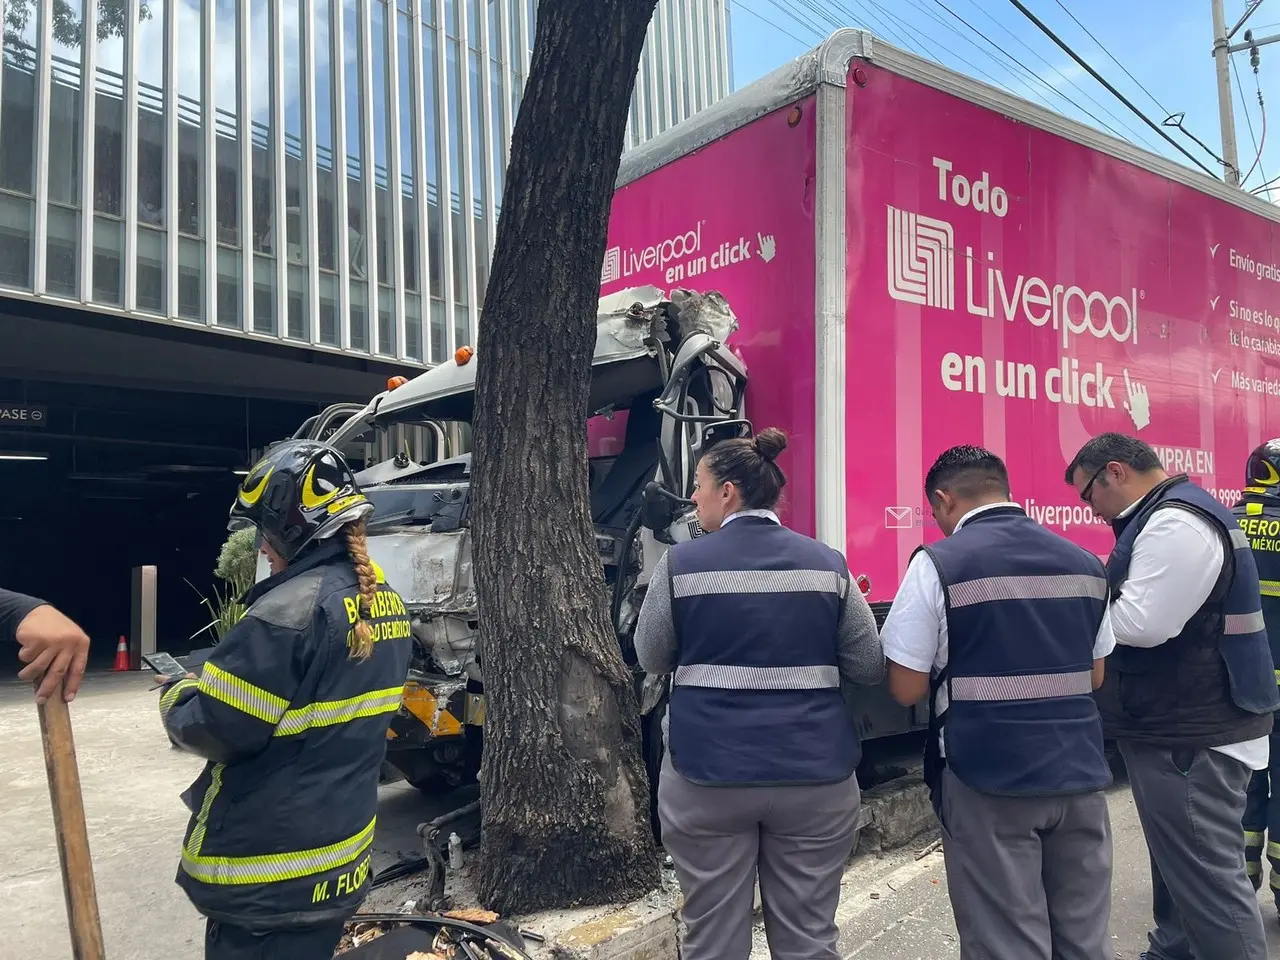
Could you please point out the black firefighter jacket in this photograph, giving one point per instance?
(295, 733)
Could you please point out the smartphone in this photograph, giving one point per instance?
(164, 664)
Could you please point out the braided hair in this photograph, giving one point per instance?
(361, 640)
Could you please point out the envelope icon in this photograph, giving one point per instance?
(898, 518)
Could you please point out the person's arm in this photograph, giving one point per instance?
(1103, 644)
(655, 636)
(53, 647)
(14, 608)
(1176, 561)
(912, 632)
(858, 650)
(231, 712)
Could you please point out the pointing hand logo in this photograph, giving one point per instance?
(1139, 404)
(768, 249)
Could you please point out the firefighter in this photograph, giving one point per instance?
(291, 712)
(1259, 516)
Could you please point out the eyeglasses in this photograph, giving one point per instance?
(1087, 493)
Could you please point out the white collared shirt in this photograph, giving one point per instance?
(1176, 561)
(766, 514)
(915, 632)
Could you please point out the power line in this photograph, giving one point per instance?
(1097, 76)
(765, 20)
(1138, 134)
(1103, 48)
(1249, 120)
(1025, 69)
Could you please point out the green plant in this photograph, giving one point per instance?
(237, 568)
(238, 561)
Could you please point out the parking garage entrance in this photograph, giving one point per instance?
(122, 447)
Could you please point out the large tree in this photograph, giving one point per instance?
(566, 812)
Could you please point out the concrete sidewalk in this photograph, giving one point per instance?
(131, 780)
(896, 907)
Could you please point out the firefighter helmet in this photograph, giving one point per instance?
(301, 491)
(1263, 471)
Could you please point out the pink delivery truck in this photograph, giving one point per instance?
(918, 260)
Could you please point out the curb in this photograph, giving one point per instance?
(637, 931)
(892, 815)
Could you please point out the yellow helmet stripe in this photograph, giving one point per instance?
(312, 498)
(251, 495)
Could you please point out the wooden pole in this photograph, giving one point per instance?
(70, 830)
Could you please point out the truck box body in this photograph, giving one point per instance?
(919, 260)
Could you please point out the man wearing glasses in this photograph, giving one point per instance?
(1189, 691)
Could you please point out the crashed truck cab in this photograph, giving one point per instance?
(665, 383)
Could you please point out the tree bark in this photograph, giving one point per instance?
(566, 812)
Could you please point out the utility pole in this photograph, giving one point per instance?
(1226, 111)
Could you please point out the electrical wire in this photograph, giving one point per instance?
(1102, 47)
(1249, 120)
(1262, 108)
(1134, 134)
(1025, 69)
(765, 20)
(1097, 76)
(832, 13)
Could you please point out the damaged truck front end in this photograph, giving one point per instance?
(664, 385)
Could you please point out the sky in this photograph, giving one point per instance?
(1164, 46)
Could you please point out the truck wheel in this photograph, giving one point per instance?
(432, 785)
(653, 750)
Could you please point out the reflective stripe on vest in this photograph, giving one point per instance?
(722, 677)
(1043, 686)
(1270, 588)
(1055, 587)
(756, 581)
(1236, 623)
(1239, 539)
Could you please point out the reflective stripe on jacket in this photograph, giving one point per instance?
(295, 732)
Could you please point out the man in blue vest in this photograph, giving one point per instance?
(1258, 514)
(1189, 691)
(1004, 625)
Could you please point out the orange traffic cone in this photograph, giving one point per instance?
(122, 656)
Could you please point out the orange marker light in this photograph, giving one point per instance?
(463, 355)
(393, 382)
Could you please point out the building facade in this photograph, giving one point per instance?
(321, 172)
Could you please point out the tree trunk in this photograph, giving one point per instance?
(566, 812)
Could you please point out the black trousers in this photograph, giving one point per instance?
(1262, 822)
(225, 942)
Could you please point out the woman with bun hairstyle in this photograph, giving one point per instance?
(758, 626)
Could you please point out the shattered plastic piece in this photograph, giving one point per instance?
(707, 313)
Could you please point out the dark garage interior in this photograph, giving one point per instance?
(119, 446)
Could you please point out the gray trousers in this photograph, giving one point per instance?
(1190, 803)
(1029, 877)
(797, 839)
